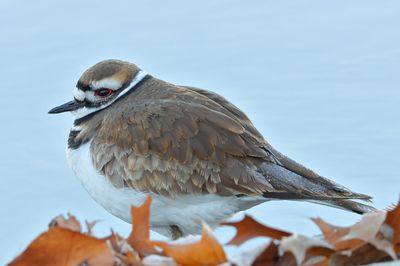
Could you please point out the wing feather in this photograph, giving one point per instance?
(193, 141)
(175, 147)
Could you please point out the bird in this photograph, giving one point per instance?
(197, 154)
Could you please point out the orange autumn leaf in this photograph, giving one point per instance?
(249, 228)
(203, 253)
(90, 226)
(60, 246)
(117, 243)
(375, 238)
(320, 251)
(132, 259)
(269, 257)
(366, 231)
(393, 220)
(333, 234)
(302, 248)
(139, 238)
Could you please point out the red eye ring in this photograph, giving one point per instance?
(103, 92)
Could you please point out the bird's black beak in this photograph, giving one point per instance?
(67, 107)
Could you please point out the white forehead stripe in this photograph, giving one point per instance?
(79, 94)
(84, 111)
(107, 83)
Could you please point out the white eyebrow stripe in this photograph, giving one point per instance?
(107, 83)
(79, 94)
(84, 111)
(139, 76)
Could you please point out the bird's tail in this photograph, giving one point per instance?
(293, 181)
(348, 205)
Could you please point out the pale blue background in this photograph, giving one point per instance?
(320, 80)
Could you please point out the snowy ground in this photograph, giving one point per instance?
(319, 79)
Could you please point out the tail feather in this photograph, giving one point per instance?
(293, 181)
(303, 171)
(348, 205)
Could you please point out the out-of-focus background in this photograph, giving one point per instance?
(319, 79)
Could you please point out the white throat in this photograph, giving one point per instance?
(84, 111)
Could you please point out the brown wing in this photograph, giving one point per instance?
(232, 111)
(196, 142)
(292, 179)
(178, 147)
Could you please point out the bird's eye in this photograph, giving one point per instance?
(103, 92)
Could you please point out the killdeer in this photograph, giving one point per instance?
(197, 154)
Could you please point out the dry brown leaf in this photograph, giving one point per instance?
(315, 256)
(318, 256)
(333, 234)
(117, 243)
(132, 259)
(123, 252)
(300, 246)
(70, 223)
(367, 229)
(365, 254)
(247, 256)
(249, 228)
(139, 237)
(373, 239)
(60, 246)
(89, 227)
(269, 257)
(287, 259)
(205, 252)
(393, 220)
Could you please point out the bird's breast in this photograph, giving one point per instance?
(183, 211)
(115, 200)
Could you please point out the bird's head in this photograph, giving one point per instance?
(100, 86)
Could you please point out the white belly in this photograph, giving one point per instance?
(116, 201)
(184, 212)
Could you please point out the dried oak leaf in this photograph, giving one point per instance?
(90, 226)
(124, 254)
(333, 234)
(60, 246)
(249, 228)
(393, 220)
(70, 223)
(139, 238)
(131, 258)
(118, 243)
(249, 256)
(365, 254)
(269, 257)
(303, 248)
(367, 230)
(207, 251)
